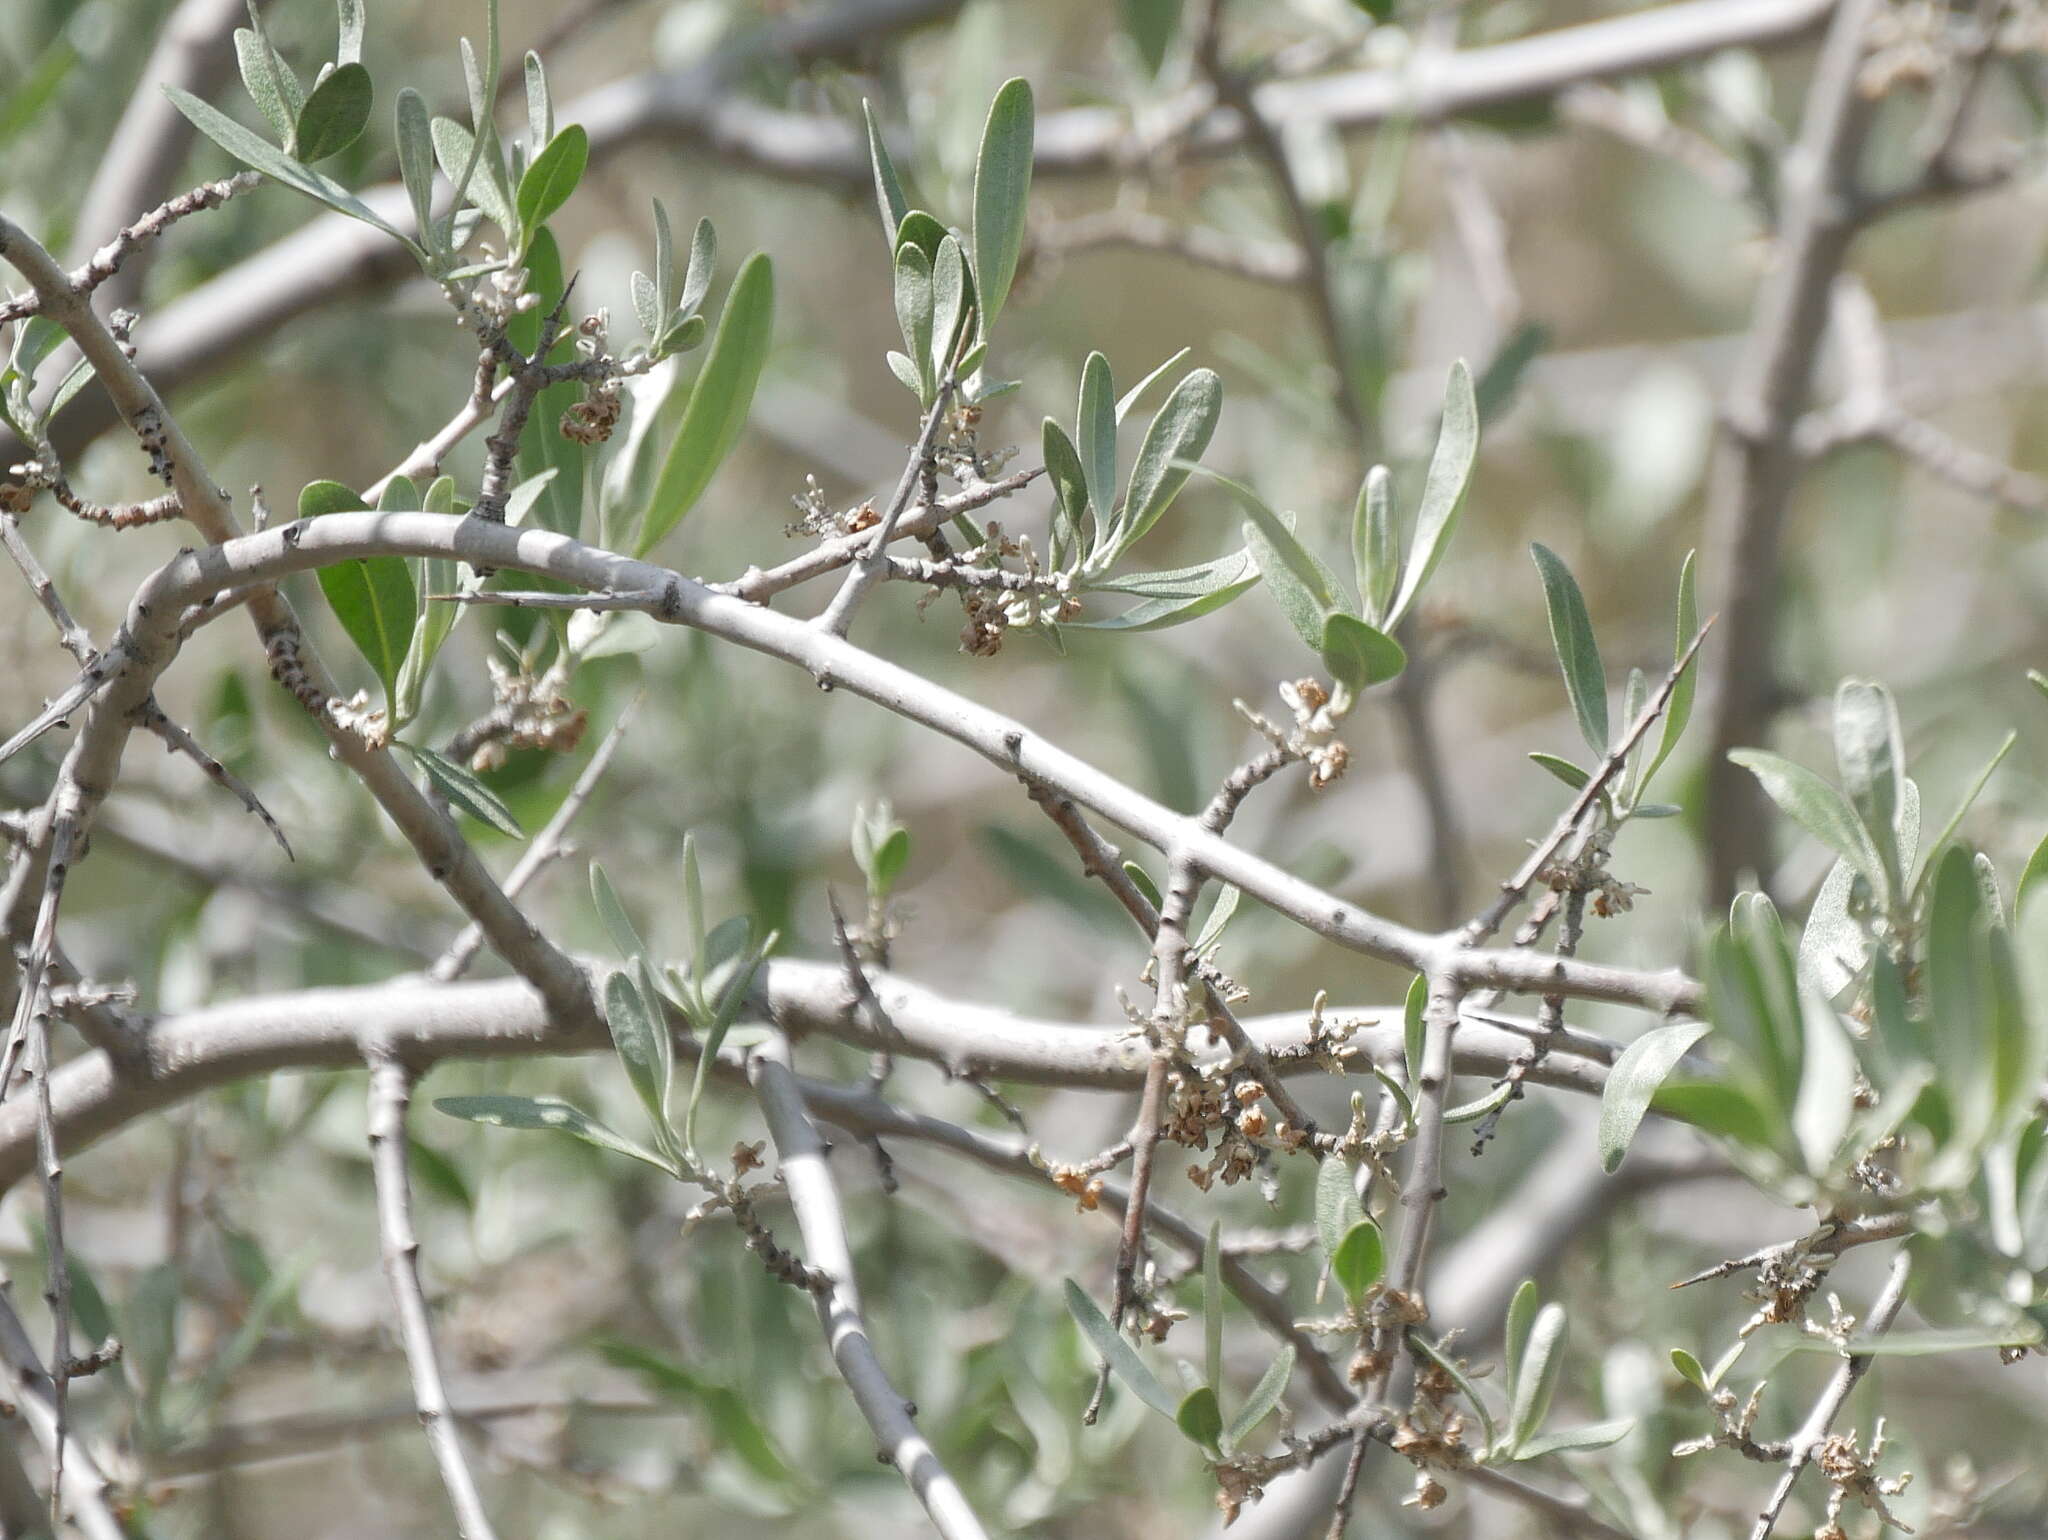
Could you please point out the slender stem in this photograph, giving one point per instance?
(390, 1095)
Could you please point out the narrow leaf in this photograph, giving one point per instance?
(465, 791)
(1096, 434)
(889, 199)
(1450, 470)
(260, 155)
(552, 177)
(1121, 1357)
(642, 1041)
(1264, 1397)
(1578, 655)
(547, 1113)
(1634, 1080)
(1002, 187)
(719, 400)
(1375, 547)
(1178, 436)
(1816, 807)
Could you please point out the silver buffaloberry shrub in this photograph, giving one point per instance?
(474, 1072)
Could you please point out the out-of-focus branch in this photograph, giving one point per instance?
(85, 1489)
(1773, 381)
(193, 51)
(332, 257)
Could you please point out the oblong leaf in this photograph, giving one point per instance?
(1375, 544)
(1818, 808)
(335, 114)
(1535, 1383)
(1578, 655)
(465, 791)
(641, 1038)
(1121, 1357)
(1450, 471)
(1360, 1259)
(889, 198)
(549, 1114)
(261, 155)
(1095, 435)
(1179, 434)
(552, 177)
(1678, 710)
(1633, 1081)
(719, 400)
(1264, 1397)
(1002, 188)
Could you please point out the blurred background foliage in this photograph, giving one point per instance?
(233, 1241)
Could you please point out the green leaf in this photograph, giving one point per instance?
(1121, 1357)
(465, 791)
(1414, 1026)
(1955, 819)
(1818, 808)
(922, 231)
(1178, 435)
(1450, 470)
(1151, 26)
(890, 857)
(641, 1039)
(1826, 1103)
(889, 199)
(703, 262)
(1200, 1417)
(1360, 1259)
(1690, 1370)
(1337, 1206)
(374, 599)
(552, 177)
(1358, 655)
(1937, 1342)
(550, 1114)
(618, 925)
(2035, 874)
(1296, 579)
(731, 1418)
(335, 115)
(1578, 655)
(1096, 432)
(1375, 544)
(1522, 1307)
(1541, 1364)
(1633, 1081)
(1002, 187)
(1592, 1435)
(1678, 710)
(1069, 489)
(261, 155)
(719, 401)
(1142, 881)
(1563, 769)
(1435, 1354)
(1264, 1397)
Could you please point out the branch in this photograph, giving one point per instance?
(332, 256)
(675, 599)
(85, 1488)
(1772, 383)
(816, 1201)
(1829, 1406)
(424, 1023)
(390, 1094)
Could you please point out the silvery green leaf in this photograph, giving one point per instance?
(1337, 1205)
(1592, 1435)
(1542, 1363)
(488, 187)
(1818, 808)
(1869, 754)
(1375, 544)
(1200, 1417)
(949, 307)
(1096, 438)
(1136, 393)
(349, 48)
(1177, 438)
(914, 313)
(1833, 948)
(1450, 471)
(1183, 582)
(1633, 1081)
(646, 306)
(1121, 1357)
(906, 371)
(465, 791)
(889, 199)
(552, 177)
(641, 1039)
(703, 263)
(1357, 655)
(1298, 581)
(618, 925)
(269, 80)
(1522, 1307)
(540, 109)
(1909, 807)
(260, 155)
(1578, 655)
(1678, 710)
(416, 158)
(1264, 1397)
(664, 267)
(547, 1112)
(1826, 1102)
(1002, 188)
(1069, 487)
